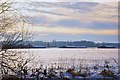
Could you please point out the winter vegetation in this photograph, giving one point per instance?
(68, 69)
(14, 65)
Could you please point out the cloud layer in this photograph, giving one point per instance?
(72, 17)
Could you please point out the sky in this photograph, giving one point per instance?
(95, 20)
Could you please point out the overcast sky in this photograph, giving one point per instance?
(72, 20)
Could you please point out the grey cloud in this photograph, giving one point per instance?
(76, 23)
(80, 6)
(37, 20)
